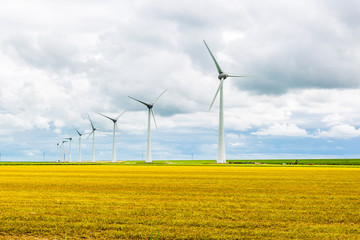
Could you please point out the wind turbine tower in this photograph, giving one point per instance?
(64, 155)
(150, 112)
(222, 76)
(115, 128)
(93, 142)
(80, 134)
(70, 139)
(57, 152)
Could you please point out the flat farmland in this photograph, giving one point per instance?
(179, 202)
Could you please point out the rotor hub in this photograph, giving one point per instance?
(222, 76)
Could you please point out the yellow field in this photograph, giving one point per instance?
(179, 202)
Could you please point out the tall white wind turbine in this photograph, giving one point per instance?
(93, 142)
(222, 76)
(70, 140)
(115, 127)
(150, 112)
(80, 134)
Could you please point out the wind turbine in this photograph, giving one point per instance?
(151, 111)
(93, 143)
(64, 149)
(115, 127)
(57, 152)
(80, 134)
(222, 76)
(70, 139)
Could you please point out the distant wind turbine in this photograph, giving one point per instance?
(222, 76)
(80, 134)
(150, 112)
(62, 144)
(70, 139)
(93, 142)
(57, 152)
(115, 127)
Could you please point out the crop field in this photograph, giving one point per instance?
(178, 202)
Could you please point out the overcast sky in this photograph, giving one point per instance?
(63, 60)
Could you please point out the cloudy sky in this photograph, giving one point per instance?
(63, 60)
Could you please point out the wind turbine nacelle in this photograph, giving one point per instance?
(222, 76)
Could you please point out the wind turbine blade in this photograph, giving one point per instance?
(216, 63)
(107, 117)
(90, 134)
(152, 112)
(236, 75)
(120, 115)
(77, 131)
(92, 125)
(217, 92)
(153, 102)
(101, 130)
(138, 101)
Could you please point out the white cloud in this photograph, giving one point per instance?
(59, 123)
(57, 131)
(231, 35)
(235, 140)
(333, 119)
(41, 122)
(11, 123)
(343, 131)
(285, 129)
